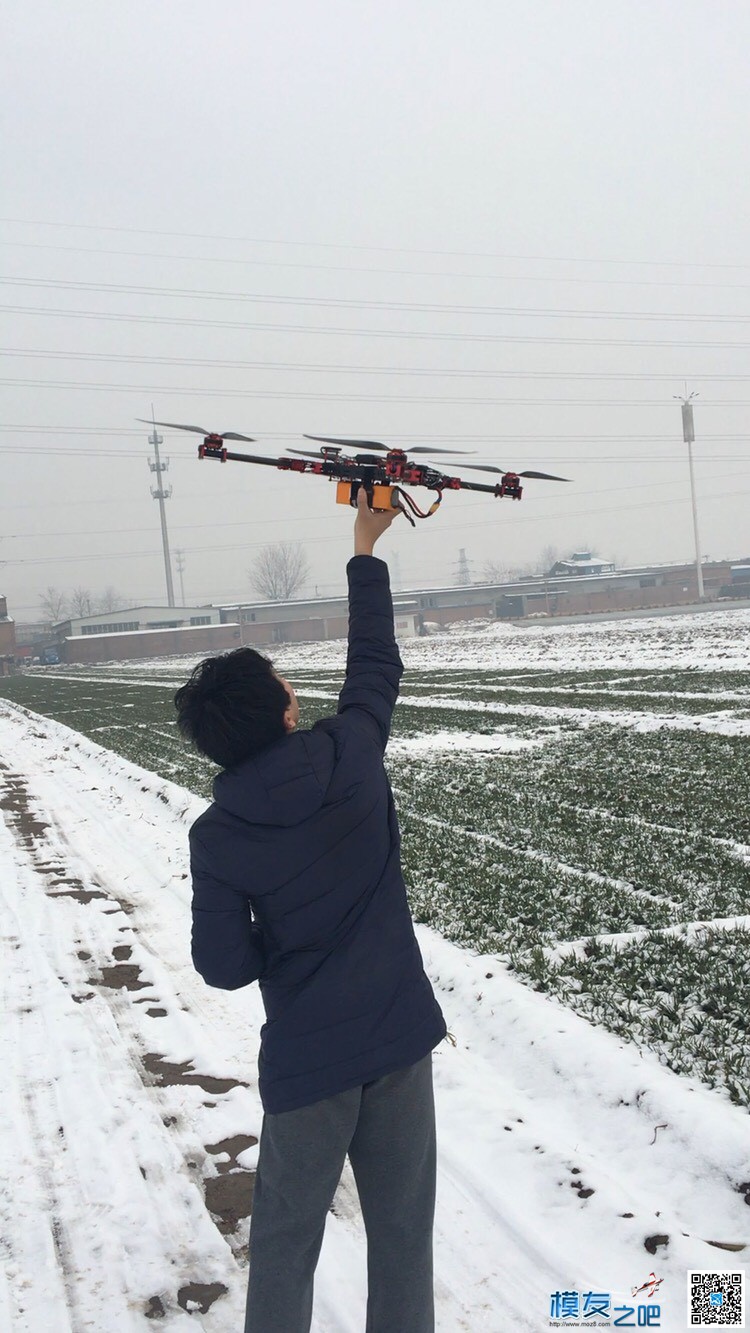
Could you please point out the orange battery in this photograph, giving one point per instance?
(382, 497)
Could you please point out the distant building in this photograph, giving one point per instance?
(129, 645)
(161, 632)
(574, 593)
(314, 618)
(134, 618)
(583, 585)
(7, 639)
(739, 581)
(32, 637)
(582, 562)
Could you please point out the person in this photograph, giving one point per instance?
(297, 883)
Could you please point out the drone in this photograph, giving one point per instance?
(382, 478)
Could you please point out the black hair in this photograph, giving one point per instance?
(232, 706)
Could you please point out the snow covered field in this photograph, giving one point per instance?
(570, 1159)
(708, 640)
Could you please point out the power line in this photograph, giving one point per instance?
(385, 272)
(129, 358)
(57, 504)
(617, 460)
(311, 518)
(342, 331)
(125, 455)
(578, 436)
(346, 537)
(348, 303)
(382, 249)
(173, 389)
(194, 495)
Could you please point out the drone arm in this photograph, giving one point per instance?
(508, 485)
(207, 450)
(226, 455)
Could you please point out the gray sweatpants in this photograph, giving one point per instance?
(388, 1129)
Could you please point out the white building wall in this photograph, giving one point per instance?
(143, 617)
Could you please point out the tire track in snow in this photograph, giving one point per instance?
(119, 817)
(113, 985)
(229, 1193)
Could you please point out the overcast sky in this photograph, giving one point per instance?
(514, 227)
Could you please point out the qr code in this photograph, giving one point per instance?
(716, 1299)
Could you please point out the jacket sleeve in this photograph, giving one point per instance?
(373, 665)
(227, 945)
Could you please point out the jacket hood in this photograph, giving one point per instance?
(283, 785)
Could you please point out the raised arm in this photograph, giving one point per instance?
(373, 664)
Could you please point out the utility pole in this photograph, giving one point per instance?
(688, 435)
(180, 558)
(161, 493)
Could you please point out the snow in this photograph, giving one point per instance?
(719, 723)
(709, 640)
(461, 741)
(107, 1153)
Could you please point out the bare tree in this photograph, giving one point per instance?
(549, 557)
(54, 604)
(492, 572)
(110, 600)
(279, 571)
(81, 602)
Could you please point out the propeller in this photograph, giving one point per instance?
(172, 425)
(425, 449)
(382, 448)
(538, 476)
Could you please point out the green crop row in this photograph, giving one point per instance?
(588, 831)
(689, 1001)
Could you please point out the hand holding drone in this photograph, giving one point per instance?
(370, 524)
(382, 478)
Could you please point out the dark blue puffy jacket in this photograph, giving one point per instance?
(297, 883)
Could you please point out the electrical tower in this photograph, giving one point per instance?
(463, 577)
(180, 558)
(162, 493)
